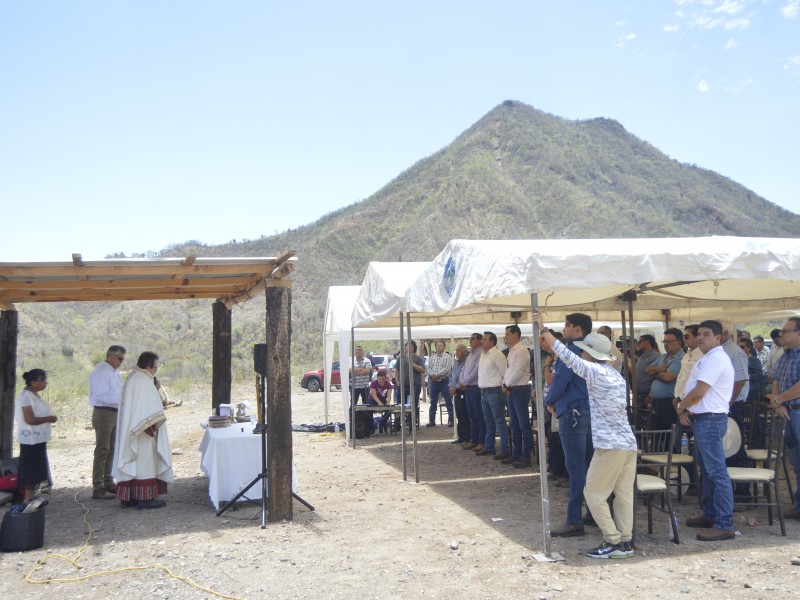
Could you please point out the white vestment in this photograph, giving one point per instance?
(138, 455)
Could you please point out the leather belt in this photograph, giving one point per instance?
(112, 409)
(694, 416)
(792, 405)
(491, 389)
(514, 388)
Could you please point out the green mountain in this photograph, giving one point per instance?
(516, 173)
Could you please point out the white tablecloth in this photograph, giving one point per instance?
(231, 457)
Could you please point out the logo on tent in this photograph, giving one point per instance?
(449, 279)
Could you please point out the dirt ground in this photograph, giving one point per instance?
(470, 528)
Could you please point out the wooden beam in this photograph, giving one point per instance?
(114, 271)
(113, 296)
(221, 355)
(118, 284)
(279, 402)
(9, 327)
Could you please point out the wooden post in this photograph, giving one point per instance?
(8, 379)
(221, 356)
(279, 402)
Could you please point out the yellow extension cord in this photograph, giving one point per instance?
(74, 563)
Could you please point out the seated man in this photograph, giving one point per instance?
(380, 394)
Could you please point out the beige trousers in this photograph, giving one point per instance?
(612, 471)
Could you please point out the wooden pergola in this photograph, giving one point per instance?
(230, 281)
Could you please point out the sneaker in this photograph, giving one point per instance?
(628, 548)
(606, 550)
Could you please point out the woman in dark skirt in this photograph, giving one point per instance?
(33, 427)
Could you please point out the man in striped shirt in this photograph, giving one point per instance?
(439, 366)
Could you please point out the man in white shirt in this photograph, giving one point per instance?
(491, 370)
(705, 408)
(105, 388)
(517, 388)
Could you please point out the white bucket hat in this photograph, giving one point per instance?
(599, 346)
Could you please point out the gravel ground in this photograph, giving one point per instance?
(471, 527)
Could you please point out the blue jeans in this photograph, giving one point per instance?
(434, 389)
(494, 412)
(792, 449)
(576, 439)
(477, 430)
(716, 492)
(519, 419)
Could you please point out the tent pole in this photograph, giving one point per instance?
(634, 396)
(540, 413)
(453, 400)
(352, 386)
(414, 402)
(398, 373)
(625, 356)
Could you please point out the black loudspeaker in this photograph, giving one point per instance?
(364, 426)
(260, 359)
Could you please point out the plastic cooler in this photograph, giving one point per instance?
(22, 531)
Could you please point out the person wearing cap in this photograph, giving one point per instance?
(704, 407)
(785, 400)
(613, 465)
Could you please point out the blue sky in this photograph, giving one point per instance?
(129, 126)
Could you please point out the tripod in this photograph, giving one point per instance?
(261, 427)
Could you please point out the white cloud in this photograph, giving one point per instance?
(741, 86)
(619, 23)
(623, 40)
(671, 28)
(703, 86)
(730, 7)
(730, 44)
(720, 14)
(792, 63)
(740, 24)
(791, 10)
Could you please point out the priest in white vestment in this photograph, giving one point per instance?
(142, 458)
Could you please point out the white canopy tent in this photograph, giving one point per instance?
(391, 279)
(671, 279)
(337, 329)
(689, 277)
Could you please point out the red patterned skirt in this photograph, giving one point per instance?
(140, 489)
